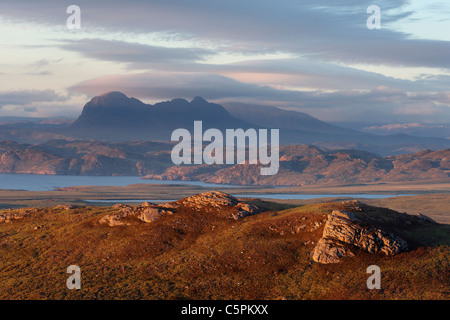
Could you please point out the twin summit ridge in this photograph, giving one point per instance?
(103, 115)
(114, 117)
(231, 141)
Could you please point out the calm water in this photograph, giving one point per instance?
(36, 182)
(285, 196)
(128, 200)
(273, 196)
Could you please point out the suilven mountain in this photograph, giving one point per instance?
(114, 117)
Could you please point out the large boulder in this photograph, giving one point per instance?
(344, 232)
(151, 214)
(146, 212)
(244, 210)
(117, 218)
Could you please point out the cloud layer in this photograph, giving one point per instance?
(374, 105)
(25, 97)
(315, 56)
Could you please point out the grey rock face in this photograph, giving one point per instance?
(329, 251)
(344, 231)
(152, 214)
(145, 213)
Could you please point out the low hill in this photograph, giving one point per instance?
(197, 248)
(308, 165)
(299, 165)
(91, 158)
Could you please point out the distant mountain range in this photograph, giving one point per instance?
(416, 129)
(299, 164)
(114, 117)
(308, 165)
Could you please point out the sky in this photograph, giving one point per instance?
(317, 57)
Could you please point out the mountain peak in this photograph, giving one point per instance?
(113, 95)
(109, 98)
(198, 100)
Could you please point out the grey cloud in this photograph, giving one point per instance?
(39, 73)
(307, 72)
(44, 63)
(183, 85)
(329, 30)
(138, 56)
(24, 97)
(378, 104)
(328, 76)
(320, 33)
(30, 109)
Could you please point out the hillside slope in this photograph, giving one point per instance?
(204, 253)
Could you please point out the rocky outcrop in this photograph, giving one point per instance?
(244, 210)
(146, 212)
(345, 233)
(151, 214)
(208, 202)
(215, 201)
(9, 215)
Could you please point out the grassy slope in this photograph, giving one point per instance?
(200, 256)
